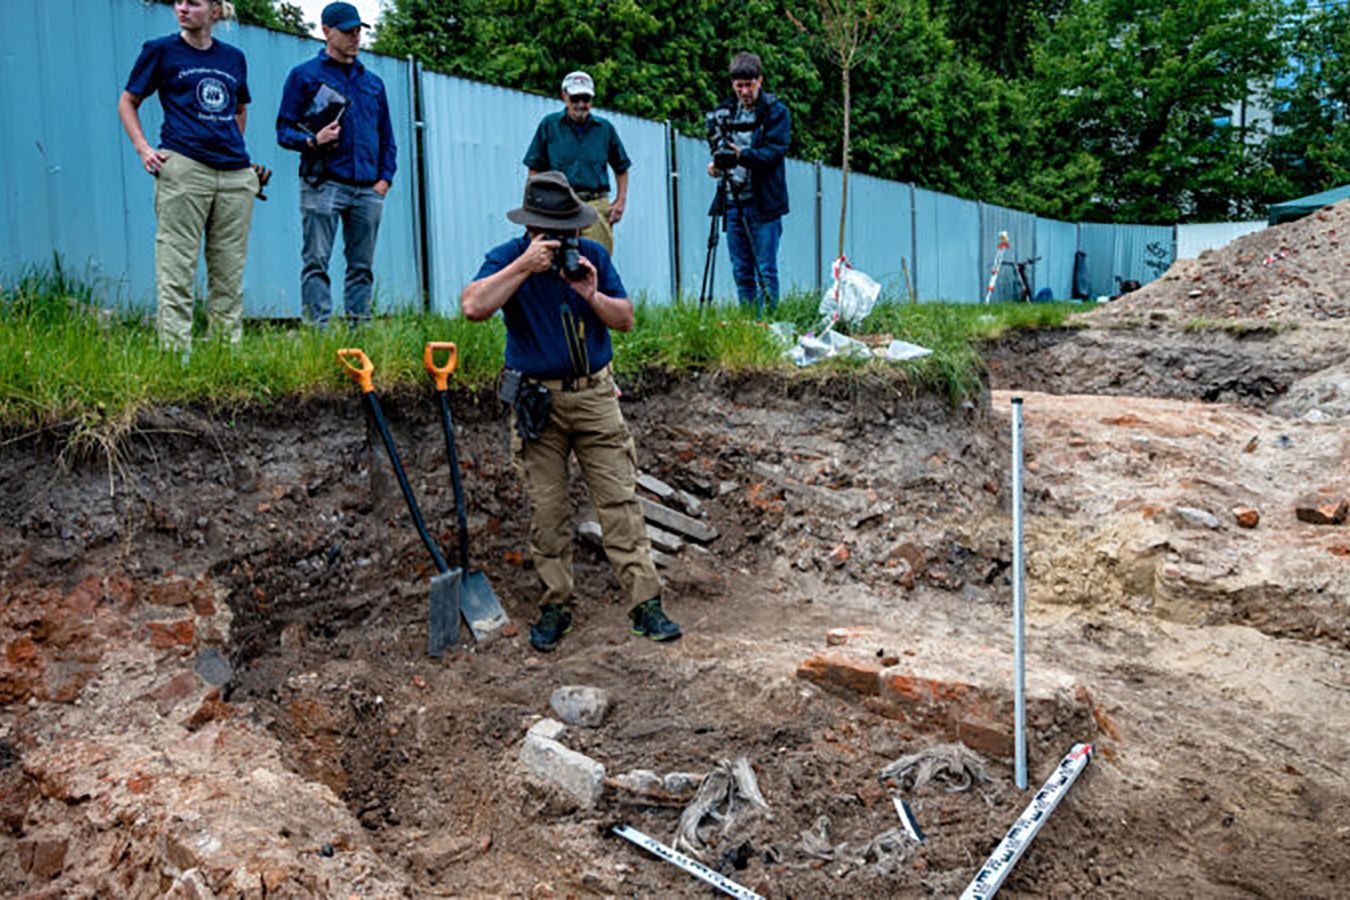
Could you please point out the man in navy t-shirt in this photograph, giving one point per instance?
(204, 185)
(557, 339)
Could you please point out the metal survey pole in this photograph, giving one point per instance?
(1019, 606)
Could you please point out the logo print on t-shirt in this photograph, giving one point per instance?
(212, 95)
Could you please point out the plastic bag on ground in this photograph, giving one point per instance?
(851, 297)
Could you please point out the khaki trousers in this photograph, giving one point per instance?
(192, 200)
(586, 422)
(601, 231)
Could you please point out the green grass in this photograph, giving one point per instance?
(65, 361)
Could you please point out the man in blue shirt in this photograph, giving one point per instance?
(584, 147)
(557, 343)
(336, 114)
(754, 215)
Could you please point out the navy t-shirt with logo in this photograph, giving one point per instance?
(200, 90)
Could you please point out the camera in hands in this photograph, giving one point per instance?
(567, 256)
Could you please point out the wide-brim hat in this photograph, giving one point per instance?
(550, 203)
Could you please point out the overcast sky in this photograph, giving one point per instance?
(370, 11)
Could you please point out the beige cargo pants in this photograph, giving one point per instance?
(192, 200)
(586, 422)
(600, 231)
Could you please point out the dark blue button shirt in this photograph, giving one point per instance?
(535, 341)
(365, 151)
(200, 90)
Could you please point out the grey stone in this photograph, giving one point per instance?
(676, 521)
(579, 704)
(655, 485)
(680, 784)
(575, 773)
(550, 729)
(1200, 518)
(640, 781)
(213, 668)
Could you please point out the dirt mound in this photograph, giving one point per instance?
(1289, 273)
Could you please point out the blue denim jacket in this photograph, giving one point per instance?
(365, 151)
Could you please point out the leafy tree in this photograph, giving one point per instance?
(1146, 88)
(1000, 36)
(850, 32)
(1310, 144)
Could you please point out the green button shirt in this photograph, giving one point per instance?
(580, 151)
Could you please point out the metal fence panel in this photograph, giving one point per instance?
(1056, 243)
(1021, 228)
(880, 231)
(831, 194)
(1098, 241)
(1143, 252)
(1192, 240)
(73, 185)
(797, 254)
(949, 264)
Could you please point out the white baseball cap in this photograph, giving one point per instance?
(578, 83)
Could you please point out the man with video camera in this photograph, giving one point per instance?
(559, 295)
(753, 129)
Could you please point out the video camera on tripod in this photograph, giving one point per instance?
(722, 127)
(732, 190)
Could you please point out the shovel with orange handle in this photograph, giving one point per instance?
(478, 601)
(443, 624)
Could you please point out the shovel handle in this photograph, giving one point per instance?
(359, 373)
(441, 374)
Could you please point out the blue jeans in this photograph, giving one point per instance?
(321, 208)
(764, 237)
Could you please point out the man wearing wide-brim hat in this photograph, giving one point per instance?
(557, 340)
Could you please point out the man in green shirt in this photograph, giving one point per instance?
(583, 147)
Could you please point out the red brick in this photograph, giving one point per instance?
(175, 691)
(983, 736)
(164, 635)
(837, 670)
(43, 857)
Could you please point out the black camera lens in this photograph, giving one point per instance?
(567, 257)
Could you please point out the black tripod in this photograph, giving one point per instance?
(729, 192)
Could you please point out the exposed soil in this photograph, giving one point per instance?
(1204, 660)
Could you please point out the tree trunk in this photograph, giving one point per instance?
(843, 202)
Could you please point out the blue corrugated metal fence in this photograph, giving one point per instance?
(72, 185)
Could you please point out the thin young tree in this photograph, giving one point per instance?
(849, 32)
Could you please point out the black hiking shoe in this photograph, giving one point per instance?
(554, 622)
(650, 621)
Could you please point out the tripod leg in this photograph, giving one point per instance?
(705, 294)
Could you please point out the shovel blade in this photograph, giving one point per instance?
(447, 591)
(482, 610)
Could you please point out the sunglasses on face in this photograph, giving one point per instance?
(580, 100)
